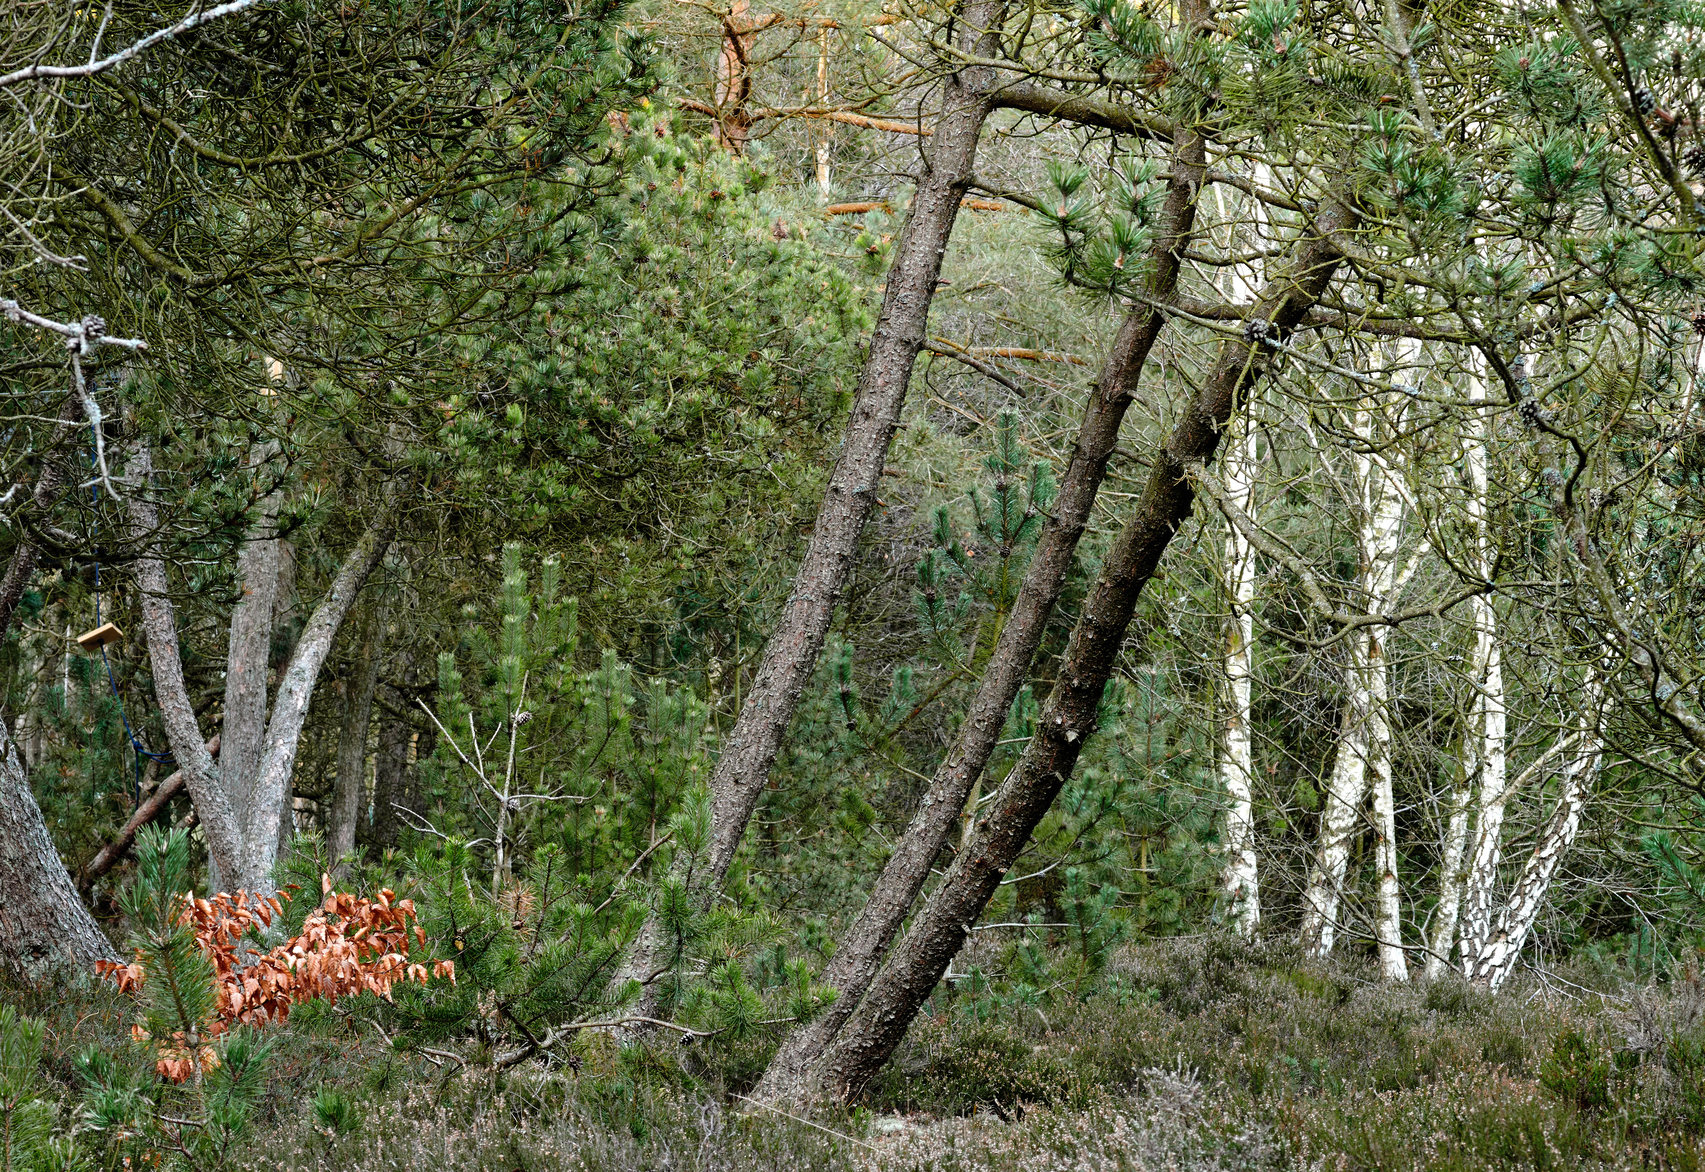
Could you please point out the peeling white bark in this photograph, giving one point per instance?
(1237, 758)
(1240, 879)
(1496, 959)
(1362, 766)
(1484, 759)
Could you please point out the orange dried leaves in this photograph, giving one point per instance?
(349, 945)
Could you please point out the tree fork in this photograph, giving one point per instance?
(1068, 718)
(858, 956)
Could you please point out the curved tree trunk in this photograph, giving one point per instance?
(243, 842)
(1068, 718)
(43, 923)
(44, 926)
(790, 656)
(1496, 959)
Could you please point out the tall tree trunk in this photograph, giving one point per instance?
(248, 655)
(1068, 718)
(1388, 895)
(1339, 820)
(790, 656)
(1496, 959)
(219, 821)
(1482, 869)
(1483, 743)
(296, 689)
(859, 954)
(1362, 767)
(350, 789)
(44, 926)
(390, 778)
(1240, 880)
(43, 923)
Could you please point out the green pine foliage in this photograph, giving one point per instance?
(134, 1113)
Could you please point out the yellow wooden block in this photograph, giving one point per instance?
(99, 637)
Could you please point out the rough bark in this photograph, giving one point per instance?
(153, 806)
(1068, 718)
(790, 656)
(219, 823)
(44, 927)
(296, 689)
(859, 954)
(350, 789)
(248, 656)
(390, 779)
(43, 923)
(244, 843)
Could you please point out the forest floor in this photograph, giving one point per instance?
(1188, 1055)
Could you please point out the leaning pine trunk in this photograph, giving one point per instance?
(859, 953)
(44, 926)
(1068, 717)
(749, 750)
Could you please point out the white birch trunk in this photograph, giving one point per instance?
(1381, 547)
(1496, 959)
(1484, 759)
(1363, 759)
(1345, 793)
(1240, 879)
(1237, 757)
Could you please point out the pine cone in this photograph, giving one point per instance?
(1645, 101)
(1257, 330)
(1699, 323)
(1532, 414)
(94, 327)
(1694, 157)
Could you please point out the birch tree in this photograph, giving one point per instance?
(1483, 751)
(1361, 767)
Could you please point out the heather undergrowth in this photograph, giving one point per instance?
(1201, 1054)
